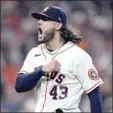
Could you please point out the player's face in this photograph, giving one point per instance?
(46, 30)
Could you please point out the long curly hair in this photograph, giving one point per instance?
(69, 33)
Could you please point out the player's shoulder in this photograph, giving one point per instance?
(35, 50)
(81, 53)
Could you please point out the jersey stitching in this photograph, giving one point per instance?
(63, 51)
(45, 96)
(46, 84)
(93, 87)
(43, 53)
(52, 53)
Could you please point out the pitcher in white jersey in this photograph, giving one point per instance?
(66, 70)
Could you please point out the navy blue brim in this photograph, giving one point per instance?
(40, 16)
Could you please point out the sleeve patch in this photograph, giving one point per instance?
(93, 74)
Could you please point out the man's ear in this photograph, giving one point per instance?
(58, 26)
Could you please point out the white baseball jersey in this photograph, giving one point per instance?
(64, 89)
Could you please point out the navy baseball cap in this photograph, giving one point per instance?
(53, 13)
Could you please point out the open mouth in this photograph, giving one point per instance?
(40, 30)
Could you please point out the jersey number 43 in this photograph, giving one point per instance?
(63, 92)
(63, 89)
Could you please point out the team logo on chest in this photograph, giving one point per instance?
(55, 95)
(57, 77)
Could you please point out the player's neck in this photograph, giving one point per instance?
(55, 43)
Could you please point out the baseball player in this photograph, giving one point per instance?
(57, 69)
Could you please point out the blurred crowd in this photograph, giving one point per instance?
(19, 35)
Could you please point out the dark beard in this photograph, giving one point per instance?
(47, 37)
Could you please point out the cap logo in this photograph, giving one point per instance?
(45, 9)
(59, 18)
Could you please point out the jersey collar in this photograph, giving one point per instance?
(59, 50)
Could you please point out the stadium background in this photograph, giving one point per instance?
(19, 35)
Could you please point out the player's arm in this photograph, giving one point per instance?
(95, 98)
(26, 82)
(90, 81)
